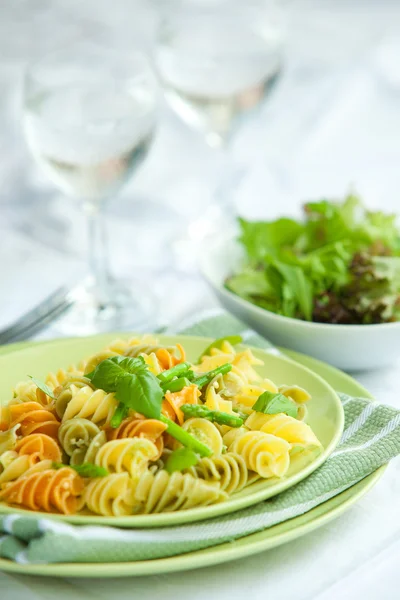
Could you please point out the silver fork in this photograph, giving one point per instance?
(39, 317)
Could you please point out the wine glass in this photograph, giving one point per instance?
(89, 117)
(218, 60)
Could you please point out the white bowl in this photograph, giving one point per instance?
(348, 347)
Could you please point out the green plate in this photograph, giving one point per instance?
(325, 415)
(247, 546)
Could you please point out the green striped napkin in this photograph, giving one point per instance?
(370, 439)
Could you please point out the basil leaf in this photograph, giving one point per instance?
(232, 339)
(109, 371)
(141, 392)
(181, 459)
(134, 385)
(42, 386)
(85, 470)
(270, 403)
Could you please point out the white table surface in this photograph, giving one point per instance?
(333, 122)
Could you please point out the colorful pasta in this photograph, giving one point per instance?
(48, 490)
(229, 470)
(206, 432)
(95, 405)
(296, 432)
(148, 434)
(152, 429)
(110, 496)
(174, 400)
(39, 446)
(76, 436)
(131, 455)
(163, 492)
(266, 454)
(32, 417)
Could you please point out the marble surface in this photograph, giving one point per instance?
(332, 123)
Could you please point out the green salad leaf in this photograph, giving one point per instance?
(42, 386)
(181, 459)
(218, 343)
(337, 265)
(271, 403)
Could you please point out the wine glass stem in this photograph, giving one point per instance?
(229, 177)
(98, 253)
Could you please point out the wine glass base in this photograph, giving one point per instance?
(131, 306)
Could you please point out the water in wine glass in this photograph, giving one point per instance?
(89, 138)
(215, 71)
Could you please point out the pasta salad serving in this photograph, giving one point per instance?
(138, 429)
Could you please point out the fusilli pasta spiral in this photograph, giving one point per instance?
(32, 417)
(161, 492)
(110, 496)
(296, 432)
(264, 453)
(76, 436)
(49, 490)
(98, 406)
(152, 429)
(229, 470)
(174, 400)
(206, 432)
(39, 446)
(131, 455)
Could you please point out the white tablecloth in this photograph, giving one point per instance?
(333, 122)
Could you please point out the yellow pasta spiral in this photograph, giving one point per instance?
(162, 492)
(97, 406)
(110, 496)
(295, 392)
(130, 455)
(229, 470)
(214, 400)
(205, 432)
(266, 454)
(296, 432)
(54, 380)
(64, 393)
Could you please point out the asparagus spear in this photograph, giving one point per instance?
(119, 415)
(176, 385)
(205, 378)
(216, 416)
(176, 371)
(185, 438)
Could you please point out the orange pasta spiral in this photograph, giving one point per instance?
(39, 446)
(33, 418)
(152, 429)
(167, 359)
(174, 400)
(49, 490)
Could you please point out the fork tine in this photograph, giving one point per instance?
(38, 317)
